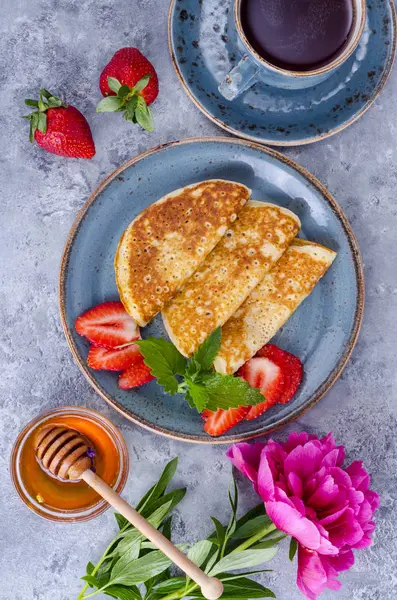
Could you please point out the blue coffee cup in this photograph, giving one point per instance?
(253, 67)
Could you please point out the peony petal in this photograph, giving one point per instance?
(312, 578)
(289, 520)
(359, 476)
(326, 491)
(295, 484)
(342, 562)
(265, 479)
(333, 517)
(245, 457)
(303, 460)
(346, 530)
(295, 439)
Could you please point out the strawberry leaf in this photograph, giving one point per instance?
(42, 123)
(30, 102)
(124, 90)
(141, 84)
(131, 107)
(143, 115)
(114, 84)
(46, 93)
(109, 104)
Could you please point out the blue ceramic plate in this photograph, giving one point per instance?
(203, 53)
(323, 330)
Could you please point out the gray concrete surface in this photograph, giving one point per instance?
(62, 44)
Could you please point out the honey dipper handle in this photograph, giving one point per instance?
(211, 588)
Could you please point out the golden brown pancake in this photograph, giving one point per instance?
(271, 303)
(166, 243)
(249, 249)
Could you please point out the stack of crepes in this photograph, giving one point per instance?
(206, 256)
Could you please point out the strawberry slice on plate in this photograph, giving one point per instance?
(107, 325)
(113, 359)
(218, 422)
(264, 374)
(136, 375)
(290, 365)
(276, 373)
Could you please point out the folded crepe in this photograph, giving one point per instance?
(249, 249)
(164, 244)
(272, 303)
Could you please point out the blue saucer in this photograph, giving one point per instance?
(203, 53)
(322, 332)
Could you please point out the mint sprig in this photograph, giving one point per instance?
(131, 568)
(129, 101)
(196, 378)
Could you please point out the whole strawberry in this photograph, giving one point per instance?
(59, 128)
(129, 83)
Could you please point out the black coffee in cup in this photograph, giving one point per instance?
(299, 35)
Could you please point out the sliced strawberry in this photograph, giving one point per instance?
(107, 325)
(264, 374)
(136, 375)
(113, 359)
(216, 423)
(291, 367)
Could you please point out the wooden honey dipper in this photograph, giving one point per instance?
(65, 453)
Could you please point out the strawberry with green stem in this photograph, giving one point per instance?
(129, 83)
(59, 128)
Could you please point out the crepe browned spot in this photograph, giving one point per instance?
(271, 303)
(168, 241)
(249, 249)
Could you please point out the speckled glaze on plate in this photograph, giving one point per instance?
(322, 332)
(203, 50)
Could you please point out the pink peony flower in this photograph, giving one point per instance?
(309, 495)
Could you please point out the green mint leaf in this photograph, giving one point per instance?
(126, 573)
(208, 350)
(159, 488)
(164, 361)
(42, 122)
(293, 547)
(109, 104)
(89, 568)
(123, 593)
(243, 560)
(30, 102)
(114, 84)
(227, 391)
(124, 90)
(143, 115)
(141, 84)
(199, 553)
(197, 394)
(251, 527)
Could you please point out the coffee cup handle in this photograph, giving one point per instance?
(239, 79)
